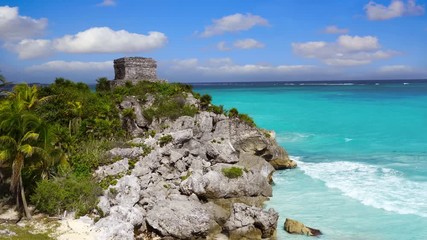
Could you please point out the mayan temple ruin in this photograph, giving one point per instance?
(134, 69)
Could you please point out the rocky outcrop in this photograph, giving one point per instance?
(214, 184)
(295, 227)
(280, 164)
(179, 190)
(246, 220)
(181, 219)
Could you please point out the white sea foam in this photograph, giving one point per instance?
(374, 186)
(293, 137)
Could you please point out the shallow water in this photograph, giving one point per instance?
(361, 150)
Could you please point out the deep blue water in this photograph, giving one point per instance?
(361, 150)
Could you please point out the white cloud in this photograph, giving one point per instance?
(395, 69)
(248, 43)
(397, 8)
(346, 51)
(222, 46)
(107, 3)
(219, 62)
(31, 48)
(332, 29)
(63, 66)
(93, 40)
(16, 27)
(225, 66)
(106, 40)
(233, 23)
(185, 63)
(357, 43)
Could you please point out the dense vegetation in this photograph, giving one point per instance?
(53, 137)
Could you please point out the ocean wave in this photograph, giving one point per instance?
(293, 137)
(374, 186)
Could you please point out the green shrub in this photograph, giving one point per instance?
(247, 119)
(151, 133)
(71, 193)
(103, 85)
(233, 113)
(232, 172)
(165, 140)
(266, 133)
(129, 113)
(110, 180)
(88, 155)
(132, 163)
(217, 109)
(205, 100)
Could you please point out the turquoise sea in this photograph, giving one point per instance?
(361, 150)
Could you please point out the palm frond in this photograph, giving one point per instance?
(29, 136)
(5, 155)
(7, 140)
(26, 149)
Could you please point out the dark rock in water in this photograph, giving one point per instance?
(280, 164)
(295, 227)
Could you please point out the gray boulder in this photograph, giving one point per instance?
(245, 218)
(112, 169)
(134, 126)
(133, 215)
(125, 152)
(128, 191)
(180, 219)
(112, 228)
(215, 185)
(182, 136)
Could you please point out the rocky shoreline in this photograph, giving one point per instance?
(181, 189)
(196, 177)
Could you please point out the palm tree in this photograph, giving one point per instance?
(27, 96)
(18, 151)
(20, 129)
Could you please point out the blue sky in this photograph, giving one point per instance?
(215, 40)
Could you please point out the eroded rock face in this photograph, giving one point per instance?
(180, 219)
(215, 185)
(245, 219)
(295, 227)
(179, 190)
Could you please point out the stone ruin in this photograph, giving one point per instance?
(134, 69)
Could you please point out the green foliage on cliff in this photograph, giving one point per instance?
(165, 140)
(70, 193)
(56, 136)
(232, 172)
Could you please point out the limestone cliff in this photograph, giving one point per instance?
(172, 181)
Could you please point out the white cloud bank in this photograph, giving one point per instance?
(332, 29)
(15, 27)
(93, 40)
(64, 66)
(397, 8)
(225, 66)
(346, 51)
(233, 23)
